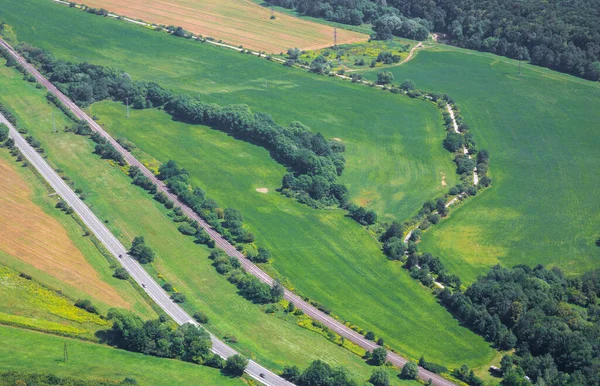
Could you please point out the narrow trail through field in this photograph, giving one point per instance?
(465, 150)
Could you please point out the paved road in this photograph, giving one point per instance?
(133, 267)
(220, 242)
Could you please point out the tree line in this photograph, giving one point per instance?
(564, 36)
(12, 378)
(314, 161)
(160, 337)
(552, 322)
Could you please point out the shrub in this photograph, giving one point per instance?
(380, 377)
(121, 273)
(378, 357)
(178, 297)
(86, 304)
(409, 371)
(168, 287)
(235, 365)
(201, 317)
(370, 335)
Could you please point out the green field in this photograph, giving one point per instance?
(271, 339)
(394, 157)
(30, 351)
(542, 130)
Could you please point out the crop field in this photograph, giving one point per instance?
(30, 351)
(542, 132)
(236, 22)
(38, 239)
(130, 211)
(28, 304)
(395, 159)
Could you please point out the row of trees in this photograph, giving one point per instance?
(319, 373)
(309, 155)
(553, 322)
(12, 378)
(564, 36)
(160, 337)
(249, 286)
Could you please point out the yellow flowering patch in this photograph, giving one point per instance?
(27, 303)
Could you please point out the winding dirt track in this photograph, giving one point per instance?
(220, 242)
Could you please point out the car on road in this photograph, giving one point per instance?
(143, 285)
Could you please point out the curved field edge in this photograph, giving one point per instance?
(400, 310)
(237, 22)
(273, 340)
(541, 130)
(30, 351)
(380, 131)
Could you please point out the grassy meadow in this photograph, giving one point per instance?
(394, 153)
(30, 351)
(542, 130)
(129, 211)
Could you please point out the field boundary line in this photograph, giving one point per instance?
(248, 266)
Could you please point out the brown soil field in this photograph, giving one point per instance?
(36, 238)
(236, 22)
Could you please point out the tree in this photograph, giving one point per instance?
(316, 374)
(235, 365)
(409, 371)
(263, 255)
(408, 85)
(378, 357)
(291, 373)
(370, 335)
(380, 377)
(385, 77)
(319, 65)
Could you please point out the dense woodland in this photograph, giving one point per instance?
(564, 36)
(551, 321)
(314, 162)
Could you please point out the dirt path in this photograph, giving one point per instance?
(465, 150)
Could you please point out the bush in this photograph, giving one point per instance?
(86, 304)
(121, 273)
(408, 85)
(178, 297)
(409, 371)
(201, 317)
(235, 365)
(370, 335)
(385, 77)
(380, 377)
(168, 287)
(291, 373)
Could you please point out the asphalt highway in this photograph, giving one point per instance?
(132, 266)
(220, 242)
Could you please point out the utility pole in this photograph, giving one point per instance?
(520, 57)
(66, 353)
(127, 104)
(335, 37)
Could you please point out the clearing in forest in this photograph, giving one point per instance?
(237, 22)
